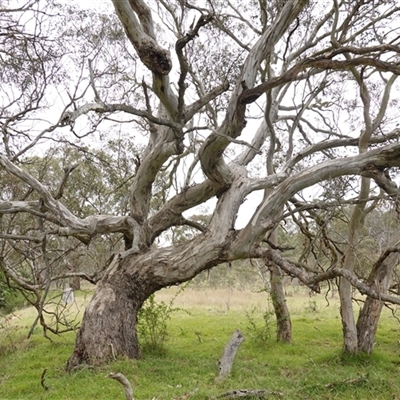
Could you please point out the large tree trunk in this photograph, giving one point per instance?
(109, 324)
(284, 324)
(367, 323)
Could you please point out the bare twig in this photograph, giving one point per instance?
(43, 379)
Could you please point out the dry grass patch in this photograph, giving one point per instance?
(298, 298)
(213, 299)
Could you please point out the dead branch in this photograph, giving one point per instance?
(356, 381)
(249, 393)
(67, 172)
(226, 361)
(42, 380)
(125, 383)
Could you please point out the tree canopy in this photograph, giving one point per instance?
(121, 121)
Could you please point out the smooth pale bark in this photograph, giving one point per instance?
(349, 328)
(350, 341)
(109, 324)
(124, 382)
(350, 336)
(350, 344)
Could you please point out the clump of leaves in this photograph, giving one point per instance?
(10, 298)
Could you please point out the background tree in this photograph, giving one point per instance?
(308, 88)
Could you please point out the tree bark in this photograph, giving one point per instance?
(124, 382)
(350, 341)
(108, 329)
(349, 328)
(283, 322)
(367, 323)
(109, 324)
(347, 315)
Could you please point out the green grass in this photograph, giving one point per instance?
(312, 367)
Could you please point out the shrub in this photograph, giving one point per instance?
(260, 331)
(152, 322)
(10, 298)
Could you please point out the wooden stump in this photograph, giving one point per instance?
(226, 361)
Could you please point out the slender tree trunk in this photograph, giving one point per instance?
(367, 323)
(350, 344)
(284, 324)
(350, 340)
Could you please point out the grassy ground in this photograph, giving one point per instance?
(312, 367)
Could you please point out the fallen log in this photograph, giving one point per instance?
(125, 383)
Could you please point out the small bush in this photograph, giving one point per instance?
(10, 298)
(260, 331)
(152, 322)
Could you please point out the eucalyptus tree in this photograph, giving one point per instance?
(213, 89)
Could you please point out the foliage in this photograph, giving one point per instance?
(263, 331)
(10, 297)
(153, 318)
